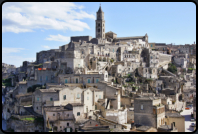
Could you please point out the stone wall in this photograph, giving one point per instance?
(179, 122)
(82, 38)
(130, 116)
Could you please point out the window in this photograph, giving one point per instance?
(46, 78)
(53, 114)
(60, 126)
(67, 115)
(37, 98)
(151, 45)
(95, 107)
(98, 30)
(99, 96)
(51, 99)
(78, 113)
(36, 107)
(96, 80)
(64, 97)
(82, 52)
(114, 126)
(40, 78)
(76, 80)
(87, 98)
(65, 80)
(88, 81)
(113, 50)
(141, 107)
(98, 24)
(78, 95)
(67, 124)
(119, 69)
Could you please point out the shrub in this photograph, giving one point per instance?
(111, 60)
(172, 68)
(7, 82)
(173, 102)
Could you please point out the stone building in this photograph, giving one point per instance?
(167, 128)
(42, 97)
(83, 79)
(22, 88)
(149, 111)
(177, 120)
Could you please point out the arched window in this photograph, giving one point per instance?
(98, 30)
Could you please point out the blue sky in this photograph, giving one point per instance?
(28, 28)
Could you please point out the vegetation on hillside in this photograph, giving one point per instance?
(172, 68)
(7, 82)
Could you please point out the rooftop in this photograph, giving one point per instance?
(147, 98)
(167, 114)
(56, 108)
(165, 127)
(129, 37)
(50, 90)
(143, 128)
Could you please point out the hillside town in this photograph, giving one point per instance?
(103, 84)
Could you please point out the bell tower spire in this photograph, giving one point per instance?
(100, 24)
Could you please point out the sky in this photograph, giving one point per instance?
(31, 27)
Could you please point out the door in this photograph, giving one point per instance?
(68, 129)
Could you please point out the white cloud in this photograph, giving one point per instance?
(7, 50)
(9, 58)
(58, 38)
(46, 47)
(25, 16)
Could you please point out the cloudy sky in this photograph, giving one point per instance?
(28, 28)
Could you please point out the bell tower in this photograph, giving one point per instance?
(100, 24)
